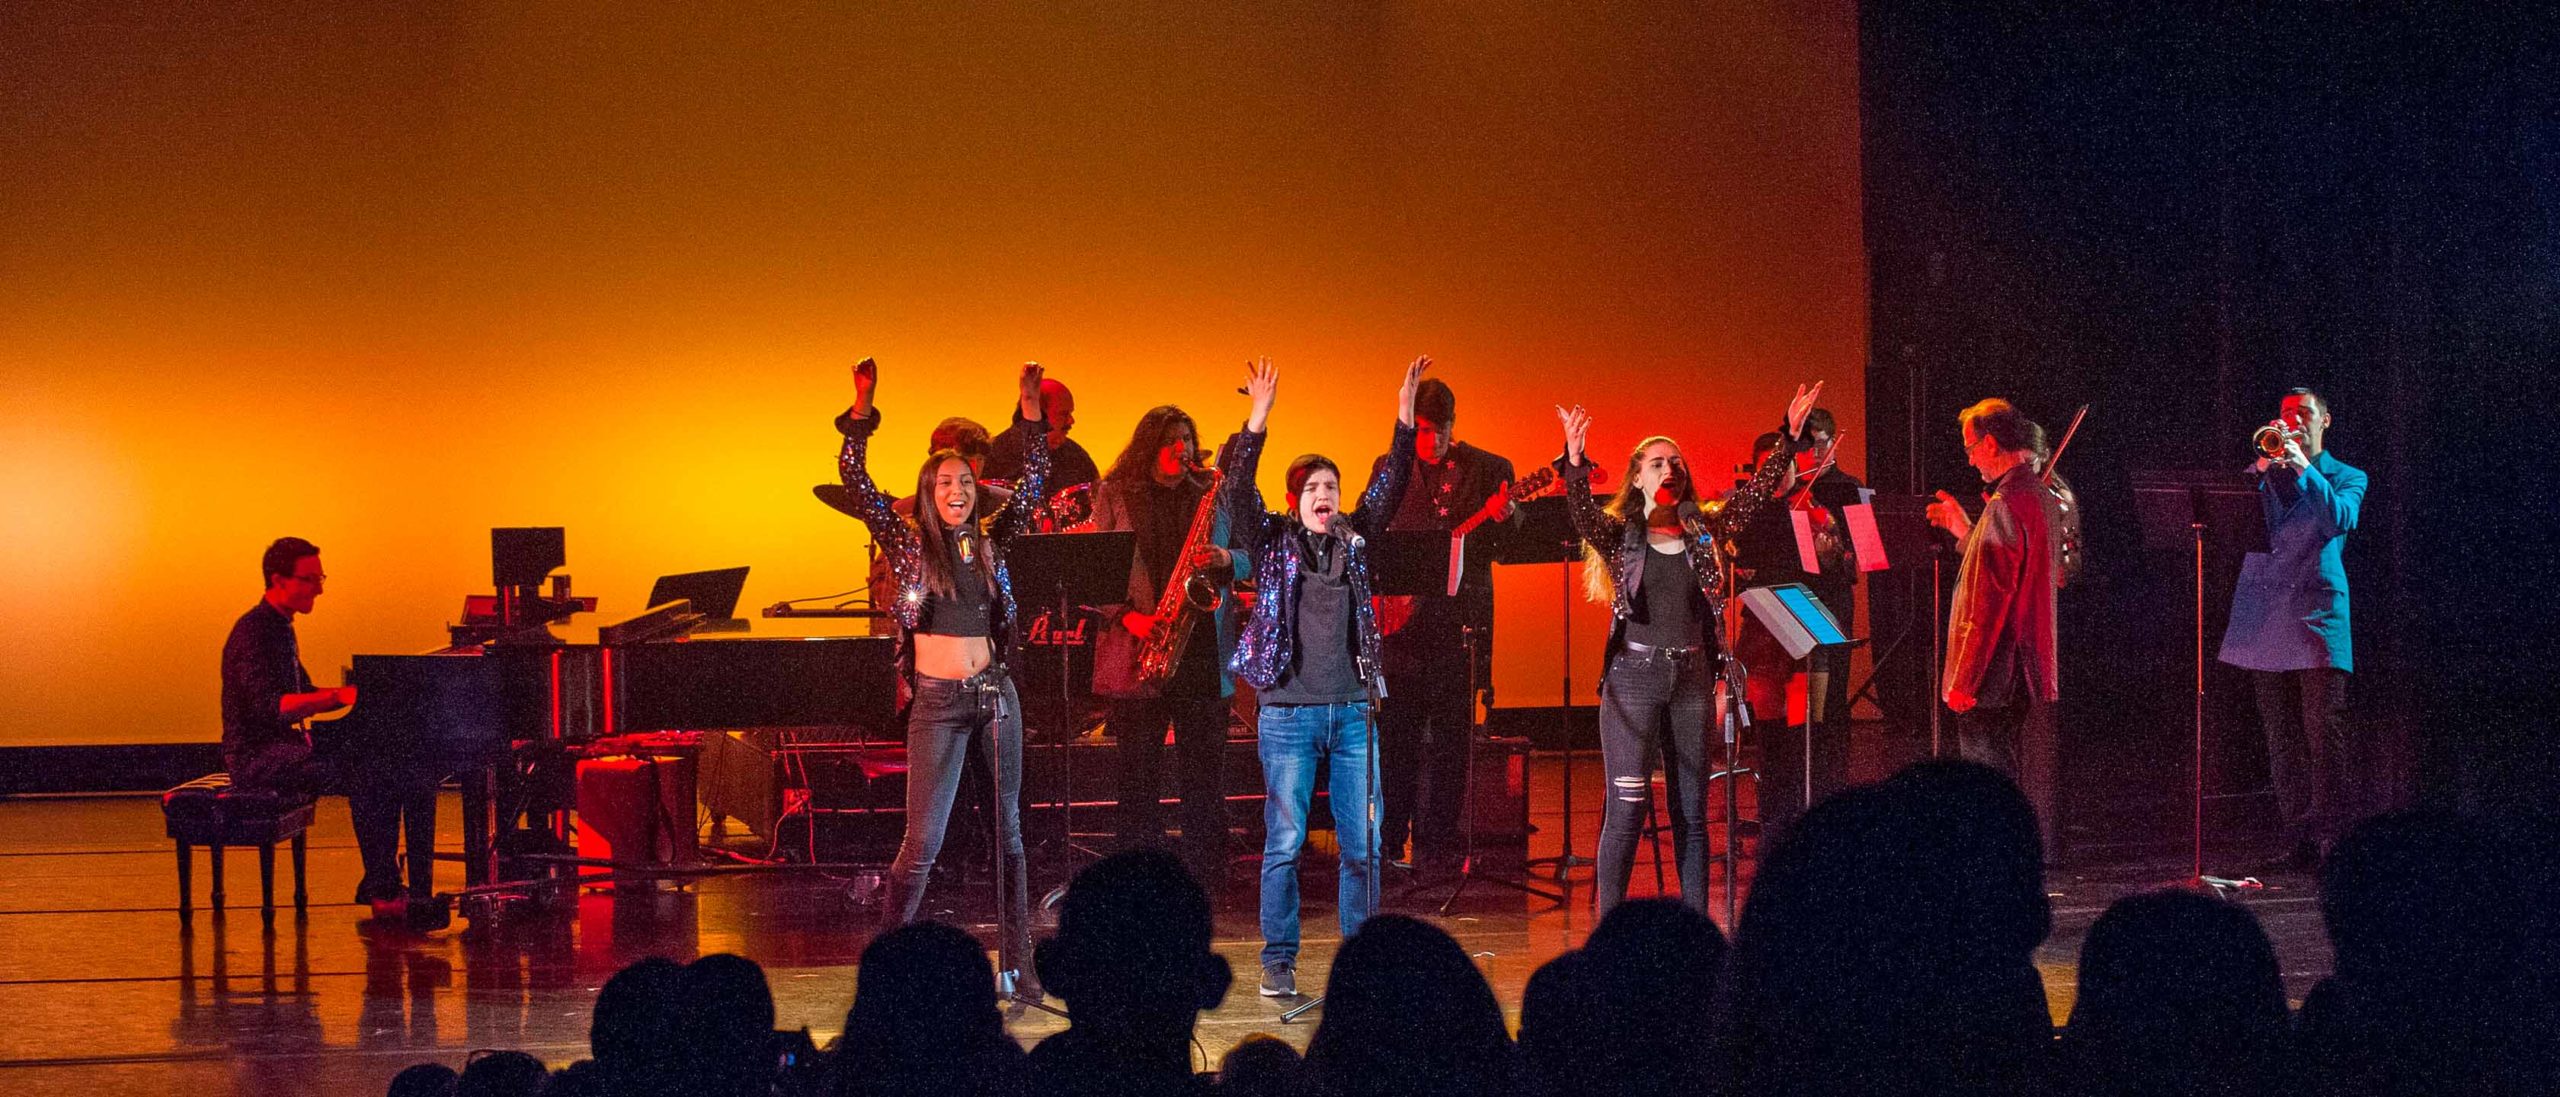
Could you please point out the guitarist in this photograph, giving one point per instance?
(1425, 720)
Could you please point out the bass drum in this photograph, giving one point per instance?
(1071, 506)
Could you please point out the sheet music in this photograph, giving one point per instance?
(1863, 536)
(1805, 555)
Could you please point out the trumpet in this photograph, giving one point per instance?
(2271, 439)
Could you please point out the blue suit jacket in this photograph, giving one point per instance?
(2290, 610)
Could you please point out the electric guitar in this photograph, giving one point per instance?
(1395, 611)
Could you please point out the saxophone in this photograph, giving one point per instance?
(1186, 594)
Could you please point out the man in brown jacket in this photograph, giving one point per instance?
(2001, 668)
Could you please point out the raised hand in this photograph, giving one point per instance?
(1262, 383)
(1412, 383)
(1947, 514)
(1031, 410)
(866, 377)
(1800, 407)
(1577, 424)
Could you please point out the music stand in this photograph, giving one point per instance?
(1912, 547)
(1543, 533)
(2184, 509)
(1805, 628)
(1073, 572)
(1415, 563)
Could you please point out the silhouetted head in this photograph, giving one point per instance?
(926, 994)
(2418, 905)
(725, 1010)
(1132, 948)
(2175, 988)
(635, 1019)
(1406, 1012)
(424, 1080)
(501, 1074)
(1890, 938)
(2439, 974)
(1562, 1035)
(1261, 1066)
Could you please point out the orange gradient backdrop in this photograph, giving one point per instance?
(385, 281)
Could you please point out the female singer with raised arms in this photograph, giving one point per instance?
(954, 605)
(1651, 553)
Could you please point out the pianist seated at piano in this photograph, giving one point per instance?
(269, 746)
(953, 602)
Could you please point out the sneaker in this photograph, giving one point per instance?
(1280, 980)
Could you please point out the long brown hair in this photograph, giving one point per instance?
(1136, 465)
(933, 546)
(1627, 505)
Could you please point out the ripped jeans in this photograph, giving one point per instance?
(1654, 704)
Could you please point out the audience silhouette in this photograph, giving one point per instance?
(424, 1080)
(1407, 1013)
(1887, 949)
(2179, 994)
(2438, 985)
(925, 1022)
(632, 1035)
(1631, 1012)
(1262, 1065)
(1131, 959)
(501, 1074)
(1560, 1025)
(1888, 945)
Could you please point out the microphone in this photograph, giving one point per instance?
(1692, 519)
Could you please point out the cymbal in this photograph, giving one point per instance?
(836, 496)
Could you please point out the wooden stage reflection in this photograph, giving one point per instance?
(105, 991)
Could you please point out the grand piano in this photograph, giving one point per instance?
(507, 714)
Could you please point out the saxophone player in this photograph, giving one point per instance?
(1157, 489)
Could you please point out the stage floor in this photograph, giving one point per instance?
(107, 992)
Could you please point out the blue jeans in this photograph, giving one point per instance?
(1293, 739)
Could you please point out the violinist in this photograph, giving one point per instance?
(1767, 554)
(2002, 671)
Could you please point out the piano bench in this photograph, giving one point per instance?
(207, 812)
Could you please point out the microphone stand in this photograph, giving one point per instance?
(1377, 872)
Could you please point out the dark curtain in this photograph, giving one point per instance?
(2174, 216)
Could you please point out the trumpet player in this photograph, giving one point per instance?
(1157, 489)
(2289, 626)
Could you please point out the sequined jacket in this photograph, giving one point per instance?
(900, 542)
(1621, 541)
(1268, 643)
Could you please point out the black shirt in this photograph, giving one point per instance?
(261, 663)
(1069, 464)
(964, 611)
(1668, 612)
(1322, 670)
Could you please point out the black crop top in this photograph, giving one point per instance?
(963, 612)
